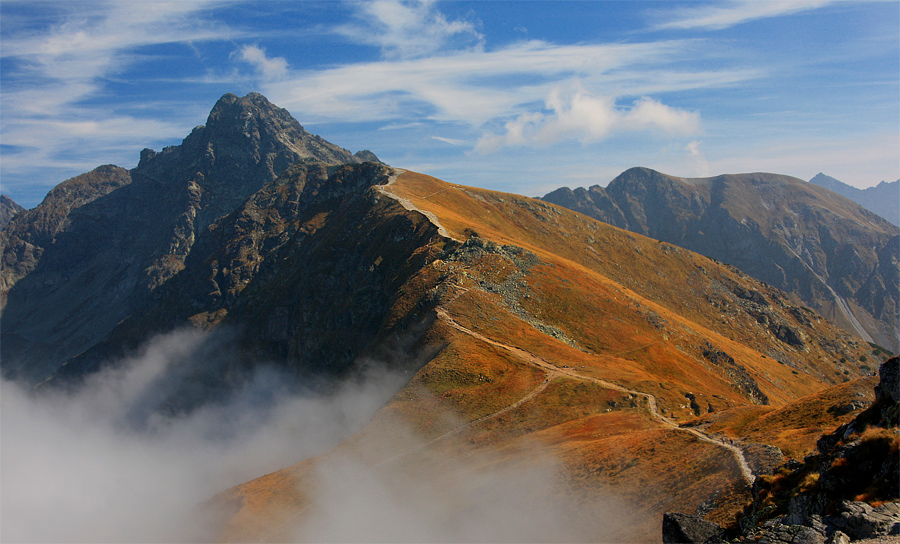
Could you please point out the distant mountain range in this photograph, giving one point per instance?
(828, 252)
(883, 199)
(656, 379)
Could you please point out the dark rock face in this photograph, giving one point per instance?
(98, 247)
(262, 273)
(838, 258)
(685, 528)
(883, 199)
(8, 210)
(29, 233)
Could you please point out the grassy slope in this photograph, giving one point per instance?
(633, 312)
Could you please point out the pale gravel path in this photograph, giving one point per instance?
(406, 203)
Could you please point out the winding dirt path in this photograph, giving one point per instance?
(553, 370)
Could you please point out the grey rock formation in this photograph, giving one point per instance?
(685, 528)
(859, 520)
(838, 258)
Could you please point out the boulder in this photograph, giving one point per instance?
(685, 528)
(860, 520)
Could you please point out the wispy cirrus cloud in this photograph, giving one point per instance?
(717, 16)
(477, 87)
(57, 73)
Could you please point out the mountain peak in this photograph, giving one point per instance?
(8, 209)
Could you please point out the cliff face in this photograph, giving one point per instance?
(100, 244)
(830, 253)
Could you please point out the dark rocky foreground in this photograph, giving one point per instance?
(848, 490)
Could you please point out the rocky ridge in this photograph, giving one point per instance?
(826, 251)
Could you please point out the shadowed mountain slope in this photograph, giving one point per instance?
(93, 252)
(826, 251)
(564, 341)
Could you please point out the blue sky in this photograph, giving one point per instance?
(510, 95)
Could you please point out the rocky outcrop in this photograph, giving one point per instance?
(685, 528)
(8, 209)
(101, 244)
(848, 490)
(837, 257)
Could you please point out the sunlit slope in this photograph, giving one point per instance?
(569, 353)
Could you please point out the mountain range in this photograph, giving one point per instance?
(557, 370)
(829, 253)
(883, 199)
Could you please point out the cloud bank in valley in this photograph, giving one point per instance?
(105, 464)
(100, 465)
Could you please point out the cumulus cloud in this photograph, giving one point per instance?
(409, 28)
(571, 112)
(268, 68)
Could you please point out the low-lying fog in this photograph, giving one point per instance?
(101, 465)
(95, 465)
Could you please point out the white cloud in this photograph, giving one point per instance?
(718, 16)
(408, 29)
(66, 60)
(450, 141)
(475, 87)
(102, 466)
(701, 165)
(577, 114)
(268, 68)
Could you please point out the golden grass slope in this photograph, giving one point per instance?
(571, 353)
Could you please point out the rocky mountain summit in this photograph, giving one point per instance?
(847, 490)
(883, 199)
(99, 246)
(8, 209)
(831, 254)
